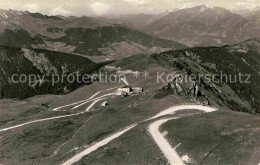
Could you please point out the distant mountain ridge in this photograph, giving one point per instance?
(39, 23)
(201, 26)
(79, 35)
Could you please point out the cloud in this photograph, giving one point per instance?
(100, 8)
(189, 5)
(32, 8)
(60, 11)
(241, 3)
(184, 0)
(103, 7)
(253, 1)
(138, 2)
(249, 4)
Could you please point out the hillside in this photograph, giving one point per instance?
(44, 65)
(224, 137)
(59, 138)
(221, 61)
(113, 39)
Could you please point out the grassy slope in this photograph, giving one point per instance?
(121, 112)
(134, 147)
(37, 141)
(221, 137)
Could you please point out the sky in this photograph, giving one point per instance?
(117, 7)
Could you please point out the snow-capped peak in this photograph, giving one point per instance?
(201, 7)
(205, 7)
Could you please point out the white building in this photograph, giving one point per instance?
(125, 89)
(137, 90)
(105, 103)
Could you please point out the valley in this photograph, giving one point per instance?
(176, 86)
(198, 26)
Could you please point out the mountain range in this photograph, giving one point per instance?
(117, 35)
(78, 35)
(179, 87)
(45, 36)
(198, 26)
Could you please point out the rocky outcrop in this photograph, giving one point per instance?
(40, 62)
(33, 69)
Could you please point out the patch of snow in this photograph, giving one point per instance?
(209, 6)
(202, 10)
(205, 7)
(3, 14)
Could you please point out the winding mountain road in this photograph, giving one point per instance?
(163, 144)
(153, 128)
(64, 116)
(97, 145)
(51, 118)
(168, 151)
(97, 93)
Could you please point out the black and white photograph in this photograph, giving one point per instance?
(129, 82)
